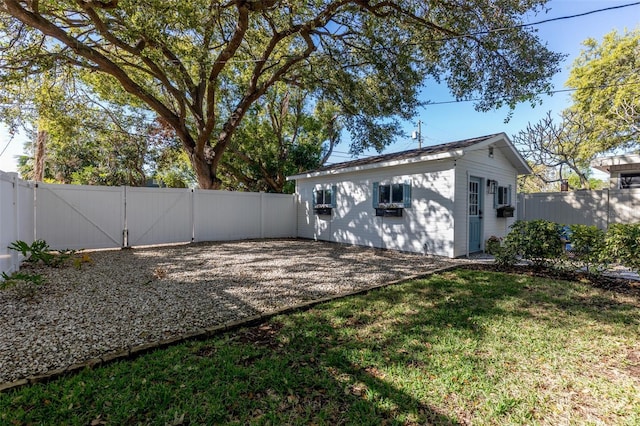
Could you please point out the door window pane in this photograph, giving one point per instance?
(474, 198)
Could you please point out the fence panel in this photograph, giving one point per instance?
(26, 211)
(278, 216)
(8, 219)
(158, 216)
(16, 218)
(79, 216)
(7, 222)
(224, 216)
(624, 205)
(597, 208)
(92, 217)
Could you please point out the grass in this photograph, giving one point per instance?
(463, 347)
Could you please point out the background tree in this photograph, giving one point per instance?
(73, 138)
(554, 149)
(606, 77)
(280, 137)
(604, 116)
(201, 65)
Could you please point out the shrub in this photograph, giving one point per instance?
(493, 245)
(622, 245)
(587, 244)
(538, 241)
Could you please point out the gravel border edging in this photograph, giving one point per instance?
(135, 351)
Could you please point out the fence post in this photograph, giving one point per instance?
(15, 228)
(262, 218)
(608, 208)
(15, 259)
(192, 209)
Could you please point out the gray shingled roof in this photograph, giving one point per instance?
(403, 155)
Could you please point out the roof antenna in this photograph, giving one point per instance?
(418, 134)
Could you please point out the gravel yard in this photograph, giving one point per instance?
(131, 297)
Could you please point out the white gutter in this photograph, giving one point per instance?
(442, 156)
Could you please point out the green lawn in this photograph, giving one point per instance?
(462, 347)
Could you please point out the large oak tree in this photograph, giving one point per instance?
(200, 65)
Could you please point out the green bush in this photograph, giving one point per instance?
(622, 245)
(492, 245)
(587, 245)
(538, 241)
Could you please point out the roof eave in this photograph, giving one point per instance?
(433, 157)
(604, 164)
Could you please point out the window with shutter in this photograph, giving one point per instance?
(324, 200)
(391, 196)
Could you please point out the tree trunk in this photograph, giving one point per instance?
(205, 173)
(38, 156)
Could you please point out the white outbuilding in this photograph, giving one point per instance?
(444, 200)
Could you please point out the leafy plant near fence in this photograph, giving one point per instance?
(587, 247)
(538, 241)
(39, 251)
(591, 249)
(24, 285)
(622, 244)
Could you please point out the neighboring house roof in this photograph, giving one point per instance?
(626, 161)
(436, 152)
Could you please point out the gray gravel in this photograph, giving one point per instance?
(130, 297)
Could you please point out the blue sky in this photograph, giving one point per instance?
(450, 122)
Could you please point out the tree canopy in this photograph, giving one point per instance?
(201, 65)
(606, 79)
(603, 118)
(87, 141)
(280, 136)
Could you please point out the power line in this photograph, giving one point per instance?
(559, 18)
(586, 13)
(604, 86)
(453, 101)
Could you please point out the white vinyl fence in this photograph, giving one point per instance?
(93, 217)
(599, 208)
(16, 218)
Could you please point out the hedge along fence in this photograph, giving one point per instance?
(545, 243)
(97, 217)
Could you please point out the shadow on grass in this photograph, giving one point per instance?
(409, 354)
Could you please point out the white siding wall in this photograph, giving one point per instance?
(479, 164)
(426, 227)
